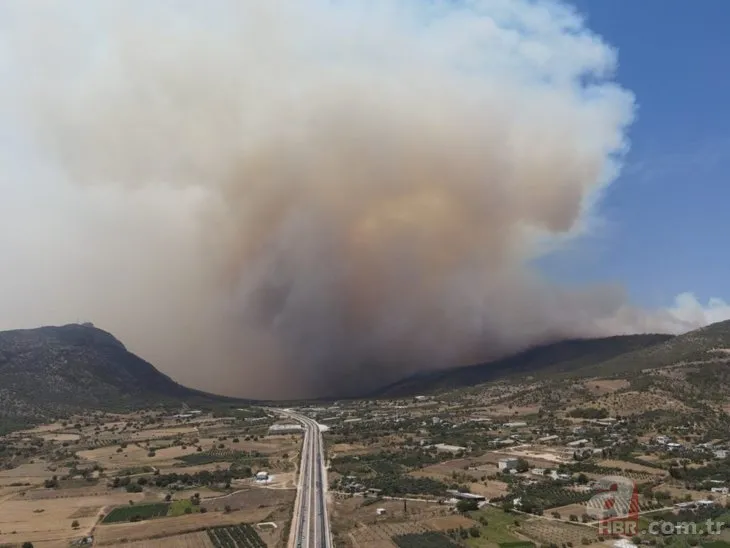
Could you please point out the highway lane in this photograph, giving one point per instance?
(310, 526)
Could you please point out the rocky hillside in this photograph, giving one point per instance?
(53, 370)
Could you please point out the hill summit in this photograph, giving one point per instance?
(54, 370)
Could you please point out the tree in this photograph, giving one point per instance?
(75, 524)
(522, 465)
(27, 544)
(464, 506)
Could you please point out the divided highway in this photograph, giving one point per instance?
(310, 527)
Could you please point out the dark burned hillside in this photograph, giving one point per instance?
(572, 356)
(52, 370)
(705, 350)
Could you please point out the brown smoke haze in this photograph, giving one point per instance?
(299, 198)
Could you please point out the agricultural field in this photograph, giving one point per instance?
(52, 519)
(424, 540)
(161, 528)
(371, 535)
(220, 455)
(547, 531)
(552, 496)
(235, 536)
(182, 507)
(137, 512)
(198, 539)
(637, 471)
(501, 527)
(135, 455)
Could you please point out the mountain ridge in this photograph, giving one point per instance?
(52, 370)
(600, 357)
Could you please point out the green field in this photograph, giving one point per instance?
(180, 507)
(137, 512)
(498, 529)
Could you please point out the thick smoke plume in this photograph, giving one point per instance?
(297, 198)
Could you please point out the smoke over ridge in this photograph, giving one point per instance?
(296, 198)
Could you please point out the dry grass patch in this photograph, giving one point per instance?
(61, 437)
(51, 494)
(85, 512)
(491, 490)
(33, 473)
(600, 387)
(623, 465)
(626, 403)
(134, 455)
(444, 523)
(50, 520)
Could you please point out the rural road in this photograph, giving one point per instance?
(310, 527)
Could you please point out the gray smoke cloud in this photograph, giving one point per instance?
(299, 198)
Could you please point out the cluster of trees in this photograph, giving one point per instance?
(401, 484)
(589, 413)
(701, 476)
(387, 462)
(202, 478)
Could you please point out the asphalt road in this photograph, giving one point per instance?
(310, 527)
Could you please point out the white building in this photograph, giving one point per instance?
(466, 496)
(547, 439)
(285, 429)
(507, 464)
(577, 443)
(262, 476)
(517, 424)
(444, 448)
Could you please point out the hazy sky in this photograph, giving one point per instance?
(326, 196)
